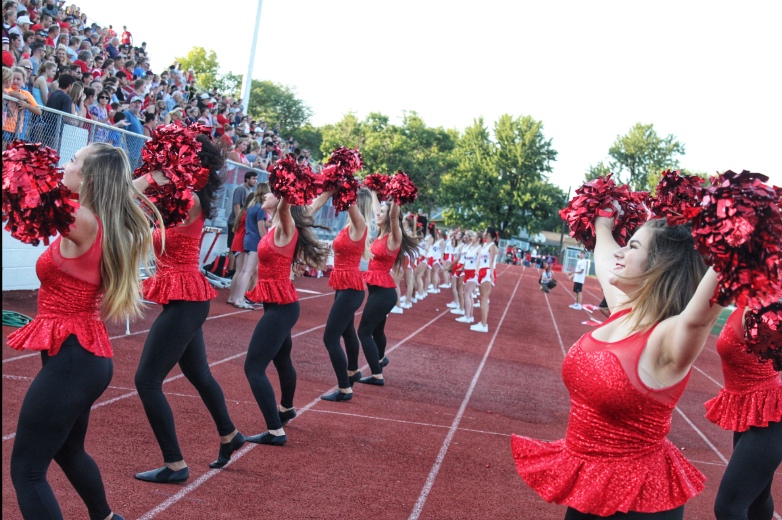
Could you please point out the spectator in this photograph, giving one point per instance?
(77, 96)
(50, 9)
(239, 196)
(547, 281)
(8, 57)
(40, 89)
(135, 144)
(9, 22)
(36, 56)
(173, 116)
(579, 277)
(127, 38)
(24, 23)
(12, 109)
(112, 48)
(16, 46)
(72, 48)
(237, 154)
(150, 123)
(603, 308)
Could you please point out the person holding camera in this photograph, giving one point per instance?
(547, 281)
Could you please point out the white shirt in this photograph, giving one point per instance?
(583, 266)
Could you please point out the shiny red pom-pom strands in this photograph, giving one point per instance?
(763, 334)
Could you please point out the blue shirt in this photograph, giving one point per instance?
(251, 233)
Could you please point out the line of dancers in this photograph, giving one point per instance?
(90, 273)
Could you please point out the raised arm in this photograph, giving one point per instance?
(605, 247)
(357, 223)
(396, 231)
(286, 227)
(319, 202)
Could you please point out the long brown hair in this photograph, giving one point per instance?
(126, 215)
(673, 272)
(309, 250)
(409, 243)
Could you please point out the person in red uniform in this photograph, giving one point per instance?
(624, 380)
(289, 240)
(176, 336)
(349, 246)
(90, 273)
(750, 405)
(390, 240)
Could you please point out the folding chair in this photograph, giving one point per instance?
(216, 281)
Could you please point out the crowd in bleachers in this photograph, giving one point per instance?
(55, 56)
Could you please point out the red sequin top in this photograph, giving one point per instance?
(379, 270)
(615, 456)
(347, 257)
(274, 271)
(753, 390)
(177, 274)
(67, 303)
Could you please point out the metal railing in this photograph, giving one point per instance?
(67, 134)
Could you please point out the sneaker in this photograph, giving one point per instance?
(402, 299)
(414, 300)
(452, 305)
(573, 305)
(431, 290)
(396, 310)
(430, 286)
(577, 307)
(478, 327)
(472, 319)
(445, 286)
(407, 305)
(457, 311)
(463, 319)
(476, 304)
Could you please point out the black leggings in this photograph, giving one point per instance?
(371, 329)
(52, 425)
(272, 343)
(177, 337)
(671, 514)
(745, 489)
(340, 324)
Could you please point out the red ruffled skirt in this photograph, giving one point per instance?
(737, 412)
(341, 280)
(191, 286)
(48, 332)
(379, 279)
(273, 291)
(657, 481)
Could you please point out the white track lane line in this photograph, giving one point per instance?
(249, 446)
(421, 502)
(556, 328)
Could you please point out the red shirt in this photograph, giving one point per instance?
(126, 36)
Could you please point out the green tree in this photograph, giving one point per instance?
(641, 155)
(502, 181)
(278, 105)
(204, 63)
(229, 83)
(599, 170)
(311, 138)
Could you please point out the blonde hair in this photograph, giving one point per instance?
(75, 93)
(7, 75)
(364, 205)
(256, 197)
(126, 214)
(674, 270)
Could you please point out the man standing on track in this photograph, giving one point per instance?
(579, 277)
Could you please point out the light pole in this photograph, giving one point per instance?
(247, 81)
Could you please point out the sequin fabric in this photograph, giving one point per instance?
(753, 390)
(66, 305)
(347, 257)
(274, 271)
(177, 272)
(379, 271)
(615, 456)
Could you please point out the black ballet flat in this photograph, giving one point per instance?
(384, 362)
(164, 475)
(267, 438)
(337, 396)
(115, 516)
(285, 417)
(227, 449)
(354, 378)
(369, 380)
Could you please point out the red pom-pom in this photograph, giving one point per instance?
(294, 183)
(35, 202)
(678, 197)
(401, 188)
(339, 177)
(739, 233)
(346, 161)
(173, 150)
(377, 182)
(763, 334)
(596, 197)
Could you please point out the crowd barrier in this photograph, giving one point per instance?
(67, 134)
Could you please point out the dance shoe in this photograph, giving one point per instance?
(164, 475)
(267, 438)
(369, 380)
(354, 378)
(285, 417)
(384, 362)
(337, 396)
(478, 327)
(226, 450)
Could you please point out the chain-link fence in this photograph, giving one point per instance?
(67, 134)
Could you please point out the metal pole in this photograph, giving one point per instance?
(247, 81)
(562, 233)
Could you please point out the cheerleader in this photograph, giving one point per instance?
(457, 284)
(469, 275)
(750, 405)
(448, 249)
(409, 274)
(176, 336)
(487, 276)
(624, 380)
(349, 246)
(256, 221)
(421, 265)
(435, 261)
(289, 240)
(390, 240)
(89, 273)
(432, 252)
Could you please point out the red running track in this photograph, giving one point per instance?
(434, 443)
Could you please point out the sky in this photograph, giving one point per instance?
(709, 73)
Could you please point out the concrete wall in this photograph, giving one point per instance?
(19, 264)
